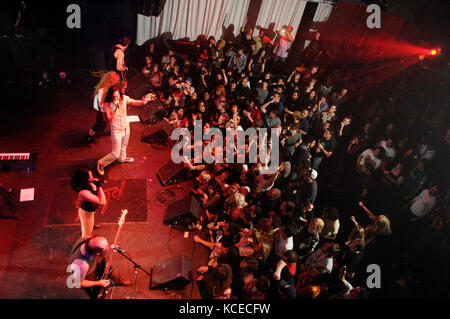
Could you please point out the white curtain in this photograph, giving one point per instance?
(191, 18)
(279, 13)
(322, 14)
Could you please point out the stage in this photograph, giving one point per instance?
(36, 244)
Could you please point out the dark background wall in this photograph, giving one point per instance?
(103, 21)
(45, 34)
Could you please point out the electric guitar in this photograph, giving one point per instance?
(104, 291)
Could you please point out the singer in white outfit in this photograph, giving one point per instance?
(116, 111)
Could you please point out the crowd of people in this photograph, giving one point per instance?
(354, 184)
(358, 174)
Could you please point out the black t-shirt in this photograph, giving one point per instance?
(352, 260)
(293, 105)
(243, 91)
(329, 145)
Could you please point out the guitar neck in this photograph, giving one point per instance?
(116, 241)
(111, 255)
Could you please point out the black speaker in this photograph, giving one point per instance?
(158, 133)
(152, 113)
(174, 273)
(181, 214)
(170, 173)
(151, 7)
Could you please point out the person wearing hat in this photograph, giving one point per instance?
(187, 87)
(85, 262)
(310, 186)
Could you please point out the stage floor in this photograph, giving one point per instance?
(34, 249)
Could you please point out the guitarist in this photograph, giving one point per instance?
(87, 261)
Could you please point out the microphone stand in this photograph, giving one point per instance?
(136, 267)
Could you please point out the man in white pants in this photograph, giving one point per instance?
(116, 111)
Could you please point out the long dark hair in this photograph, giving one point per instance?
(109, 95)
(80, 179)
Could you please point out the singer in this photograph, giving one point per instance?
(116, 110)
(90, 196)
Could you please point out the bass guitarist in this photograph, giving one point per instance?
(87, 263)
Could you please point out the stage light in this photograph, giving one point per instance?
(434, 52)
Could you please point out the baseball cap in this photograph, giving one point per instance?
(313, 173)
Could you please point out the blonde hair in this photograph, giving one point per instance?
(108, 79)
(383, 225)
(320, 225)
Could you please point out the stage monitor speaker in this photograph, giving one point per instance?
(158, 133)
(151, 7)
(152, 113)
(174, 273)
(181, 214)
(170, 173)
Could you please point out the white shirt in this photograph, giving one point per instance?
(423, 204)
(119, 119)
(97, 98)
(284, 244)
(318, 260)
(390, 151)
(369, 153)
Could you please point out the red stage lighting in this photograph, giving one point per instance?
(434, 52)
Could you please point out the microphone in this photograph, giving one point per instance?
(119, 249)
(99, 182)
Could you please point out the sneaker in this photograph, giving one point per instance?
(128, 160)
(100, 169)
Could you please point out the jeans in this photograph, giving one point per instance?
(278, 58)
(315, 163)
(119, 139)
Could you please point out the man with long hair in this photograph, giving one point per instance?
(108, 79)
(116, 111)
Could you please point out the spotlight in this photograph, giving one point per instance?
(435, 51)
